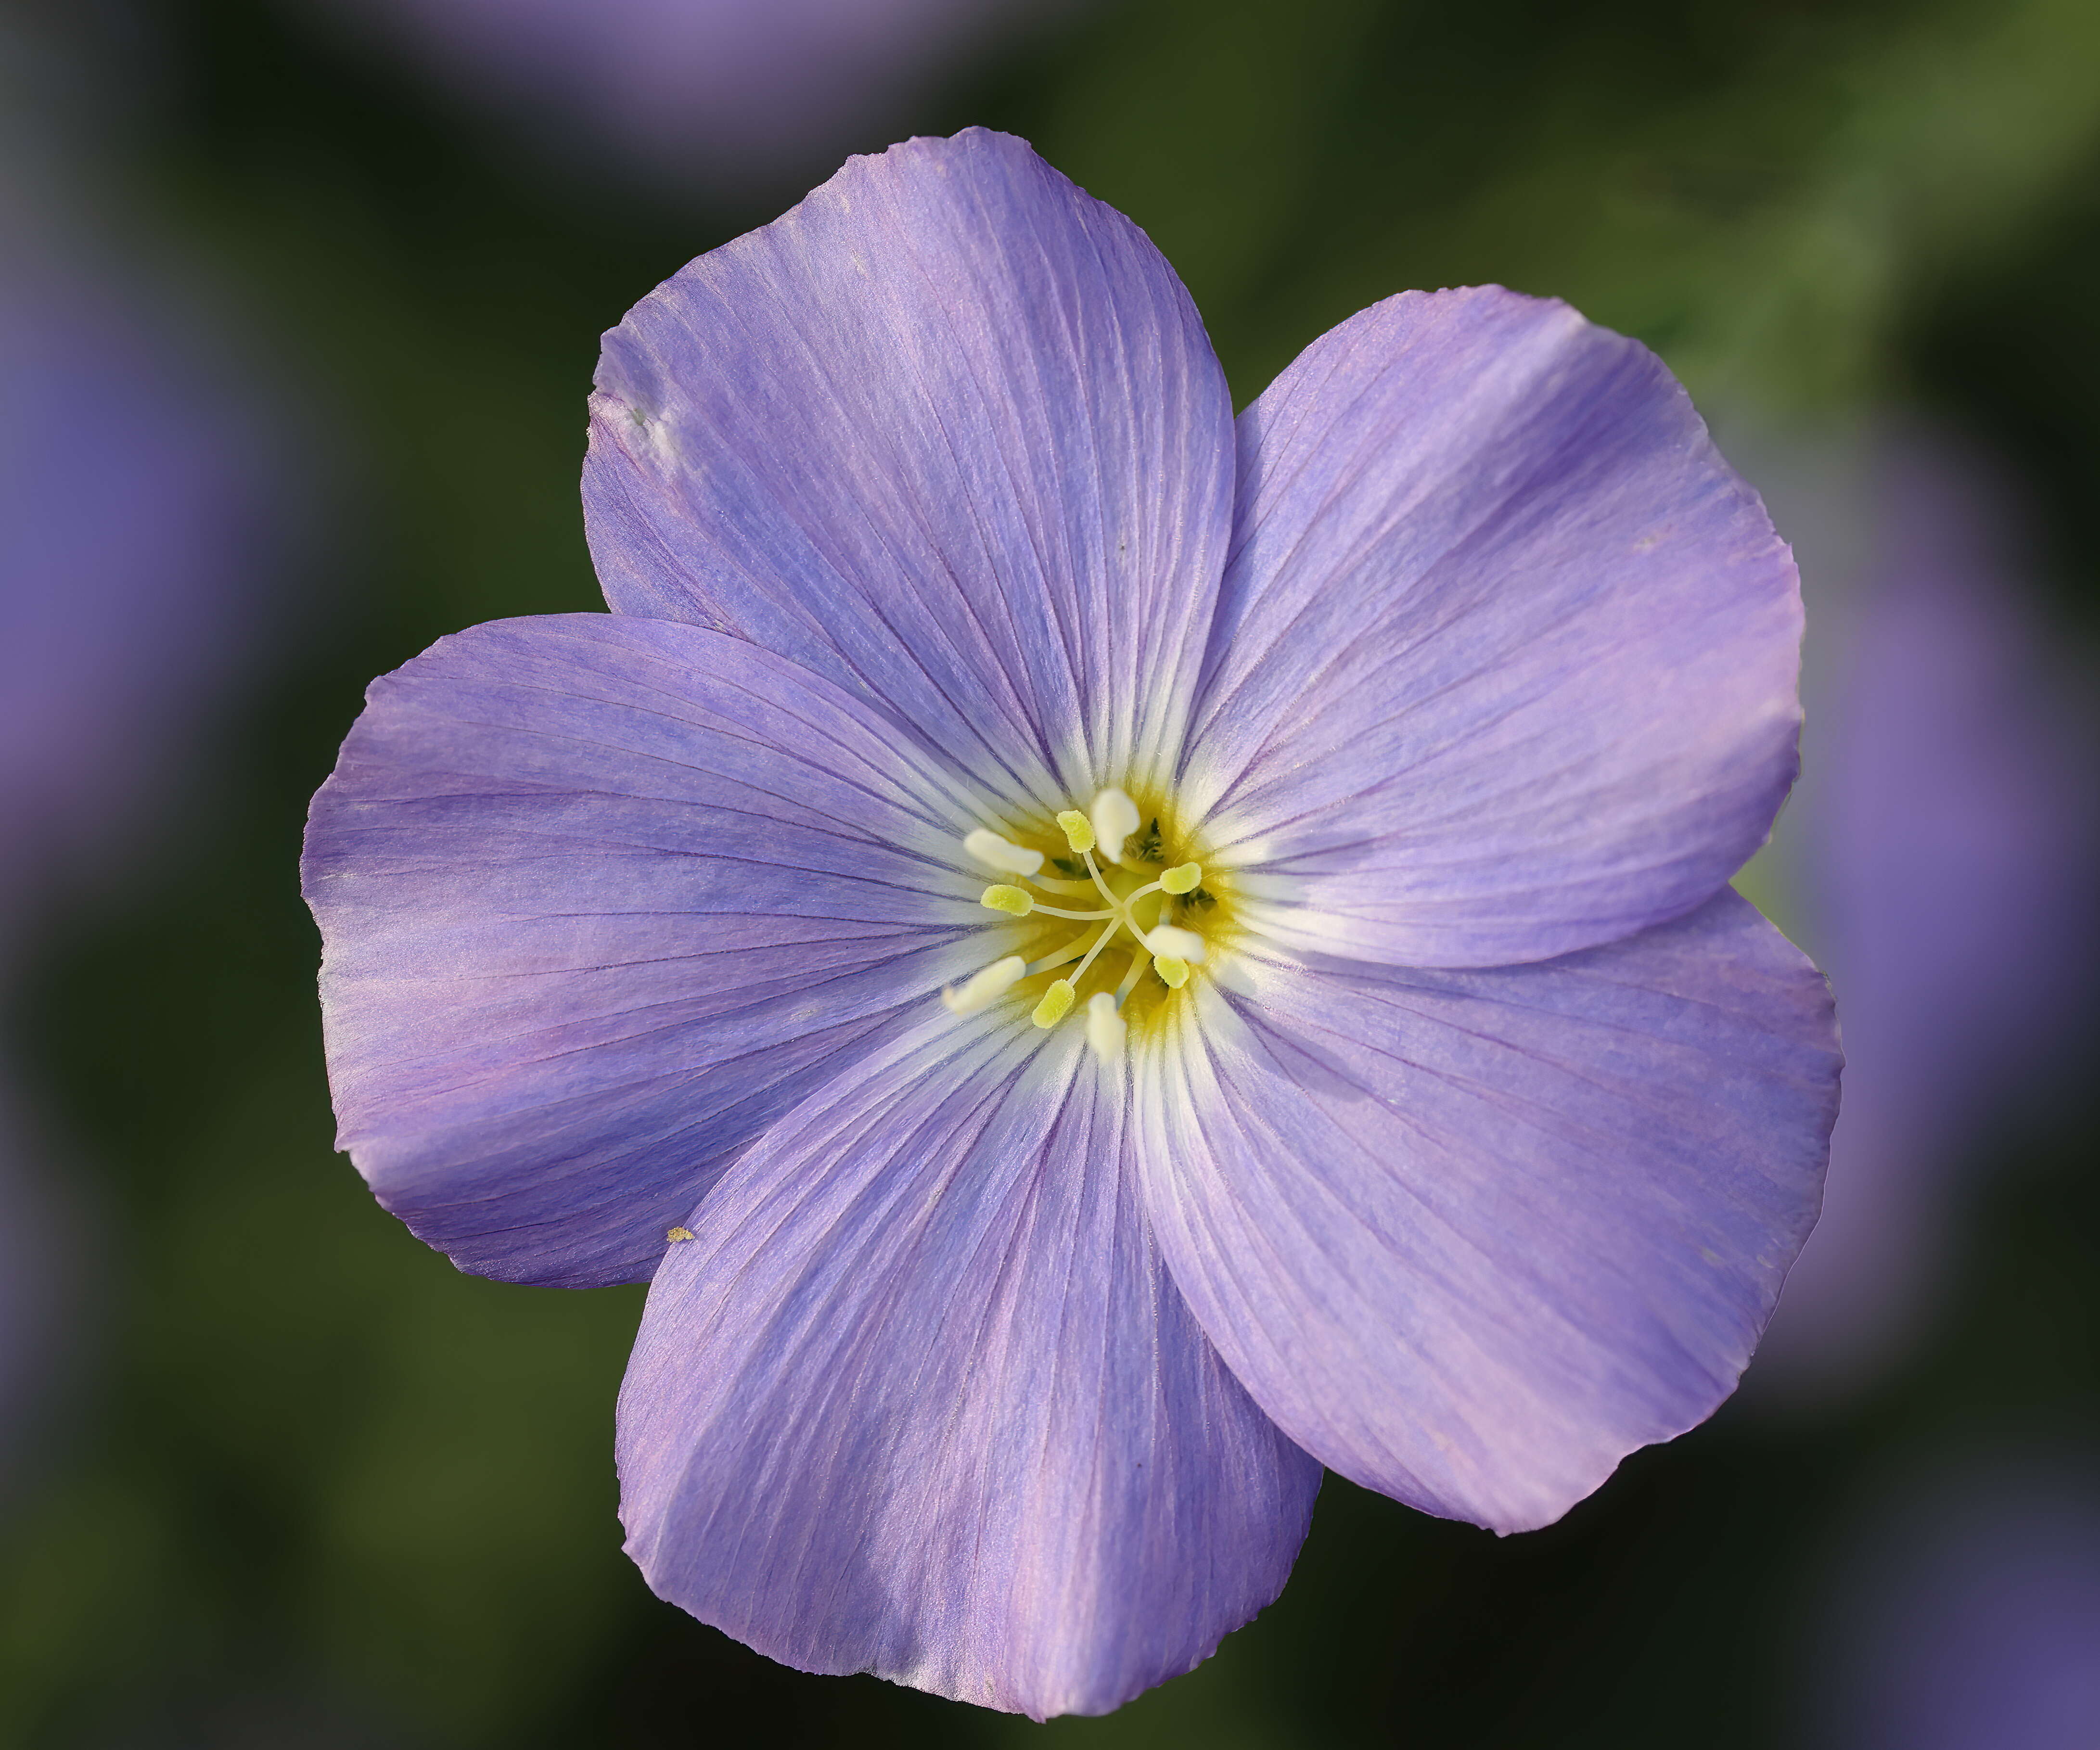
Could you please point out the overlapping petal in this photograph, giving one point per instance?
(1504, 664)
(920, 1398)
(949, 433)
(601, 898)
(1469, 1237)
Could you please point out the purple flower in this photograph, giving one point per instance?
(1351, 1051)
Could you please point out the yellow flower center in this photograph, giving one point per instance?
(1109, 905)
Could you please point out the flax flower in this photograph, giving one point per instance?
(1098, 960)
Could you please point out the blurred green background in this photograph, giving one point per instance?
(294, 1481)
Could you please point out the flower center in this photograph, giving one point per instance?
(1107, 904)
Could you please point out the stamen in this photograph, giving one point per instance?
(1164, 948)
(1071, 951)
(1168, 942)
(1114, 819)
(982, 989)
(1078, 832)
(1101, 941)
(996, 853)
(1105, 1028)
(1052, 884)
(1010, 900)
(1055, 1005)
(1106, 892)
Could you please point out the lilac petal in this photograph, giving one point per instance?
(920, 1400)
(949, 433)
(1505, 658)
(601, 899)
(1469, 1237)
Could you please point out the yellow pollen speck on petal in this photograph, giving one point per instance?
(1173, 972)
(1078, 830)
(674, 1235)
(1008, 899)
(1055, 1005)
(1183, 879)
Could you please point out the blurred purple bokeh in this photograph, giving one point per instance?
(1938, 859)
(146, 495)
(720, 95)
(1966, 1615)
(136, 499)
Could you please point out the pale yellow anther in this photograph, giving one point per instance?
(1002, 854)
(1010, 900)
(1173, 972)
(982, 989)
(1183, 878)
(1176, 944)
(1114, 819)
(1078, 830)
(1105, 1027)
(677, 1236)
(1055, 1005)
